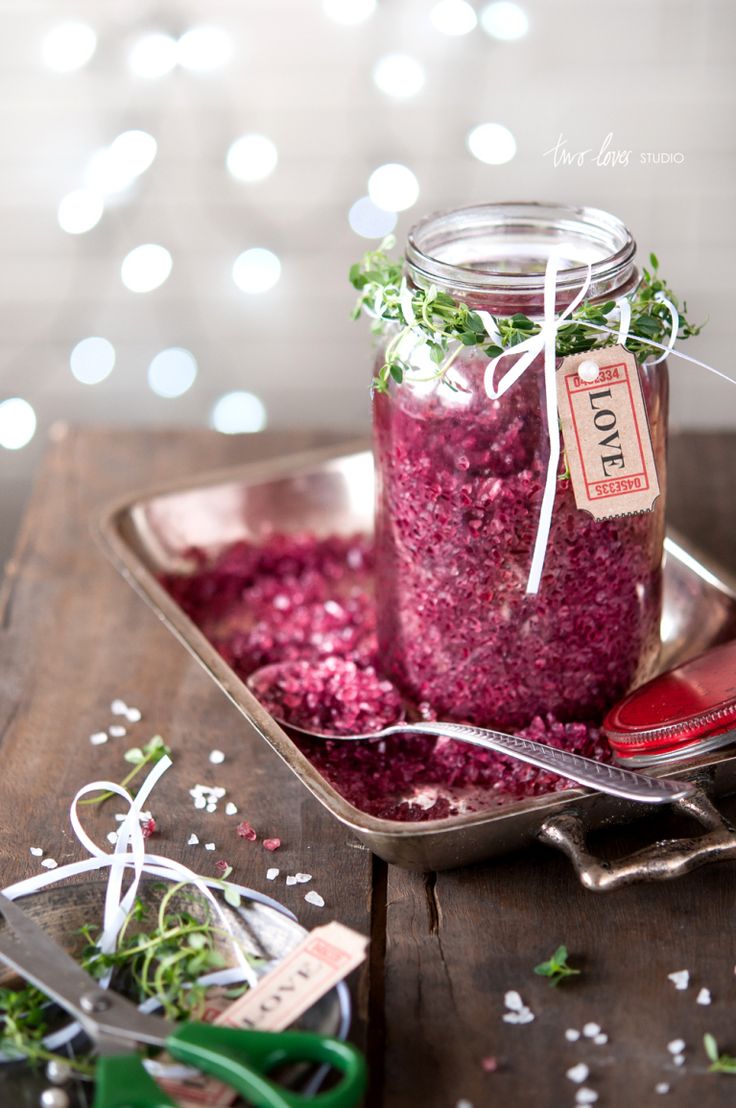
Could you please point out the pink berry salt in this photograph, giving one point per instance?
(271, 844)
(245, 831)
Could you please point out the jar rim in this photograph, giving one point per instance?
(586, 231)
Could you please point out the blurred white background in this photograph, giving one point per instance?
(247, 244)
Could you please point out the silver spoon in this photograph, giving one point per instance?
(599, 776)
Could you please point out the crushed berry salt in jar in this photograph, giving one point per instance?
(461, 477)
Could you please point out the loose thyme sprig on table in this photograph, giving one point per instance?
(719, 1063)
(447, 326)
(556, 967)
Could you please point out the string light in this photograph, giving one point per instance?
(454, 17)
(370, 221)
(504, 20)
(146, 267)
(256, 270)
(393, 187)
(398, 75)
(238, 412)
(92, 360)
(204, 49)
(349, 12)
(251, 158)
(172, 372)
(17, 423)
(153, 56)
(492, 143)
(80, 211)
(69, 46)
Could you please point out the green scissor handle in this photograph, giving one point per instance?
(241, 1059)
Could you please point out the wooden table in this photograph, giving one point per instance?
(445, 947)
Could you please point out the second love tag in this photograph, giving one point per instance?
(606, 433)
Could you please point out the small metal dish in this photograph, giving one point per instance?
(331, 492)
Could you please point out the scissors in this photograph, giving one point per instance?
(240, 1058)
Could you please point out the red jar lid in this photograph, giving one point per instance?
(683, 712)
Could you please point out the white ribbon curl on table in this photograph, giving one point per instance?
(545, 341)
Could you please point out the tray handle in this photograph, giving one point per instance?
(659, 862)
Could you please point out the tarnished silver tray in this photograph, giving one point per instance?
(330, 492)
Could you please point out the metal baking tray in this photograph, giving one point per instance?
(330, 492)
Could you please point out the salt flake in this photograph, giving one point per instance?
(230, 809)
(302, 878)
(601, 1040)
(212, 807)
(676, 1046)
(119, 708)
(98, 738)
(209, 846)
(578, 1073)
(112, 837)
(291, 880)
(524, 1016)
(513, 1001)
(662, 1088)
(192, 840)
(36, 851)
(591, 1030)
(463, 1104)
(586, 1096)
(217, 757)
(49, 863)
(680, 979)
(133, 715)
(116, 731)
(200, 802)
(572, 1035)
(703, 997)
(679, 1059)
(272, 874)
(314, 898)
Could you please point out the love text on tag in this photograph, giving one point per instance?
(606, 433)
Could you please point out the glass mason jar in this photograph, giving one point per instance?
(459, 486)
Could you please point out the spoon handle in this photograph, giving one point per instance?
(600, 776)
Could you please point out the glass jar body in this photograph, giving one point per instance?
(459, 487)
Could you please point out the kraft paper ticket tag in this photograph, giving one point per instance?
(606, 433)
(325, 956)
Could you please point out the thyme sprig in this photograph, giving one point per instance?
(446, 326)
(719, 1063)
(139, 757)
(166, 960)
(556, 967)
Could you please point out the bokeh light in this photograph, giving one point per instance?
(204, 49)
(146, 267)
(114, 167)
(251, 158)
(504, 20)
(393, 187)
(369, 221)
(172, 372)
(256, 270)
(454, 17)
(92, 360)
(492, 143)
(80, 211)
(17, 423)
(153, 55)
(349, 12)
(399, 75)
(69, 46)
(238, 412)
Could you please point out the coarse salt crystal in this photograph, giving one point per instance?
(676, 1046)
(662, 1087)
(209, 846)
(314, 898)
(98, 738)
(217, 757)
(49, 863)
(586, 1096)
(245, 831)
(218, 791)
(680, 979)
(524, 1016)
(133, 715)
(193, 840)
(601, 1040)
(272, 874)
(578, 1073)
(290, 880)
(230, 809)
(116, 731)
(513, 1000)
(302, 878)
(591, 1030)
(463, 1104)
(679, 1059)
(112, 837)
(703, 997)
(489, 1064)
(119, 708)
(36, 851)
(212, 807)
(572, 1035)
(200, 802)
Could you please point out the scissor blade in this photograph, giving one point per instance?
(103, 1014)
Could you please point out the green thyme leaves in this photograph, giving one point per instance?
(556, 967)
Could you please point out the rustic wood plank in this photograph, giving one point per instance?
(456, 942)
(74, 636)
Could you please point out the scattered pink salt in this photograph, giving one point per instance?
(271, 844)
(489, 1064)
(222, 867)
(245, 831)
(149, 828)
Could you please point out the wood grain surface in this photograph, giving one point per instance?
(446, 947)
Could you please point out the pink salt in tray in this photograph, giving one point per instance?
(272, 562)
